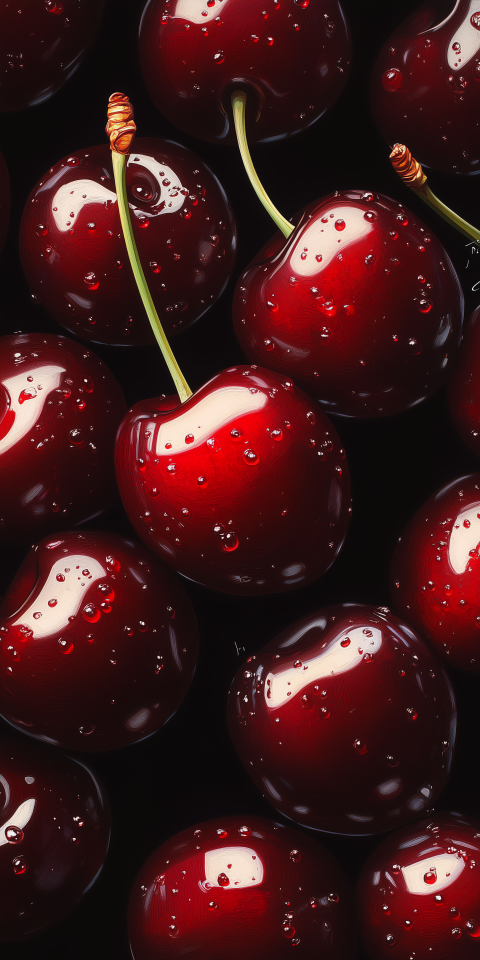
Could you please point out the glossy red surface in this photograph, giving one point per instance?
(464, 386)
(99, 643)
(435, 574)
(54, 835)
(4, 201)
(42, 42)
(425, 89)
(418, 895)
(59, 411)
(361, 306)
(241, 887)
(243, 488)
(345, 721)
(75, 258)
(292, 57)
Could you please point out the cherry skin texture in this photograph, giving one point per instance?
(425, 89)
(241, 887)
(435, 576)
(98, 643)
(361, 306)
(41, 46)
(4, 201)
(242, 488)
(55, 830)
(345, 721)
(464, 386)
(59, 411)
(419, 892)
(293, 58)
(74, 255)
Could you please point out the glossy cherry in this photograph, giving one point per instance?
(4, 201)
(74, 255)
(418, 895)
(41, 45)
(464, 385)
(345, 721)
(243, 487)
(59, 411)
(241, 887)
(54, 835)
(293, 58)
(361, 306)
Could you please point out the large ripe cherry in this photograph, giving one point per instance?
(345, 721)
(418, 895)
(425, 88)
(54, 835)
(59, 411)
(241, 887)
(293, 58)
(464, 386)
(436, 573)
(243, 487)
(74, 254)
(4, 201)
(99, 643)
(361, 306)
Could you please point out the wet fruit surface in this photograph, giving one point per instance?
(345, 721)
(241, 888)
(464, 386)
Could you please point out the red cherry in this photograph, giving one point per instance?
(464, 386)
(75, 258)
(361, 306)
(292, 57)
(345, 721)
(241, 888)
(59, 411)
(419, 892)
(4, 201)
(54, 835)
(243, 487)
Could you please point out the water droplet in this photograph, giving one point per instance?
(222, 833)
(430, 876)
(14, 834)
(277, 435)
(91, 613)
(346, 642)
(223, 880)
(340, 225)
(212, 905)
(189, 438)
(370, 215)
(425, 306)
(91, 282)
(87, 730)
(66, 646)
(392, 79)
(76, 437)
(475, 20)
(54, 6)
(288, 930)
(244, 831)
(250, 456)
(295, 855)
(456, 47)
(333, 898)
(412, 713)
(202, 482)
(390, 940)
(269, 344)
(41, 230)
(456, 932)
(218, 57)
(473, 929)
(19, 865)
(113, 563)
(91, 227)
(272, 306)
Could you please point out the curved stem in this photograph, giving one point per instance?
(450, 216)
(239, 100)
(119, 165)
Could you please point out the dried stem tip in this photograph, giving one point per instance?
(120, 127)
(408, 169)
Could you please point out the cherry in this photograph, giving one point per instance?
(425, 88)
(464, 386)
(53, 838)
(345, 721)
(293, 57)
(59, 411)
(419, 891)
(41, 45)
(241, 887)
(74, 255)
(4, 201)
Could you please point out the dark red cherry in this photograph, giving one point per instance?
(42, 42)
(418, 895)
(361, 306)
(345, 721)
(75, 258)
(464, 386)
(4, 201)
(98, 643)
(293, 58)
(54, 835)
(59, 411)
(436, 572)
(241, 887)
(243, 488)
(425, 88)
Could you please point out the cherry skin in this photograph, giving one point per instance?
(4, 201)
(425, 89)
(75, 258)
(361, 306)
(292, 57)
(464, 386)
(242, 488)
(55, 831)
(419, 892)
(345, 721)
(99, 643)
(41, 46)
(241, 887)
(59, 411)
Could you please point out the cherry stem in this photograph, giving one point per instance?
(239, 101)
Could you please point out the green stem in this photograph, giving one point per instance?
(452, 218)
(119, 166)
(239, 100)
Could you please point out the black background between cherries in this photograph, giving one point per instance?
(188, 772)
